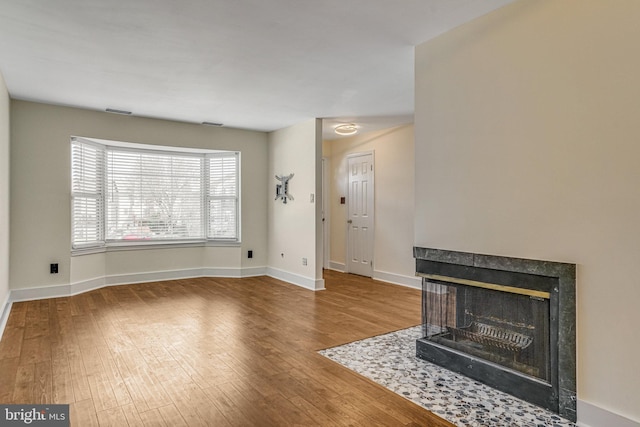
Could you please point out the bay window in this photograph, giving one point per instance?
(125, 194)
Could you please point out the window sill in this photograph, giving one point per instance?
(137, 246)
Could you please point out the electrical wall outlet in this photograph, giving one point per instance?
(304, 261)
(53, 268)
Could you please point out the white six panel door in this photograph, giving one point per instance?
(360, 215)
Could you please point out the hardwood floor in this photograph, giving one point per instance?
(208, 351)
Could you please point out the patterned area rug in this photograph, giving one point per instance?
(390, 361)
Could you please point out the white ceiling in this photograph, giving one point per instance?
(250, 64)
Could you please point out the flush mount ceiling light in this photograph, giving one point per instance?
(346, 129)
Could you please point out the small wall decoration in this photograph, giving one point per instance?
(282, 189)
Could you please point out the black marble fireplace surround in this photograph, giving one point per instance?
(469, 274)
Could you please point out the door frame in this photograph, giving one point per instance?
(326, 210)
(372, 194)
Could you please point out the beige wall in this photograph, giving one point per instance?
(527, 145)
(40, 194)
(294, 227)
(393, 200)
(4, 194)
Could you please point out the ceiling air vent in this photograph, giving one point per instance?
(212, 124)
(112, 110)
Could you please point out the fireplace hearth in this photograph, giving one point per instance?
(506, 322)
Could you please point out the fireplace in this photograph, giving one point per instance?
(506, 322)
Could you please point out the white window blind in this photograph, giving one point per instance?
(123, 194)
(223, 196)
(154, 196)
(87, 194)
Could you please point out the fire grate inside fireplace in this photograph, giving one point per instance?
(491, 336)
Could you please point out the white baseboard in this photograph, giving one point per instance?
(153, 276)
(158, 276)
(383, 276)
(337, 266)
(5, 309)
(58, 291)
(398, 279)
(590, 415)
(31, 294)
(296, 279)
(88, 285)
(253, 272)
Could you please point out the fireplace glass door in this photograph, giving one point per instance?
(497, 325)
